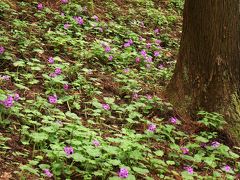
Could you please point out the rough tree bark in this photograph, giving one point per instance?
(207, 73)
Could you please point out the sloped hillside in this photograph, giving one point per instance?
(82, 95)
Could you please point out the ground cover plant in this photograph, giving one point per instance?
(82, 95)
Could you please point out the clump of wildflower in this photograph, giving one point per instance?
(47, 173)
(52, 75)
(173, 120)
(96, 143)
(52, 99)
(16, 97)
(64, 1)
(215, 144)
(68, 150)
(151, 127)
(158, 41)
(123, 173)
(58, 71)
(128, 43)
(51, 60)
(101, 29)
(149, 59)
(149, 97)
(8, 102)
(5, 77)
(143, 53)
(137, 59)
(156, 31)
(40, 6)
(149, 45)
(189, 169)
(2, 49)
(161, 66)
(107, 49)
(156, 53)
(79, 20)
(66, 26)
(65, 86)
(106, 106)
(227, 168)
(126, 70)
(110, 58)
(95, 18)
(62, 14)
(184, 150)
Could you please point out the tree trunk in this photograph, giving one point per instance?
(207, 73)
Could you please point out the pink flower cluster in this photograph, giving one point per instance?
(9, 101)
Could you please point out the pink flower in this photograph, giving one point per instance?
(65, 86)
(173, 120)
(110, 58)
(47, 173)
(156, 53)
(106, 106)
(161, 66)
(137, 59)
(149, 59)
(140, 38)
(149, 97)
(130, 41)
(2, 49)
(151, 127)
(8, 102)
(16, 97)
(156, 31)
(95, 17)
(40, 6)
(66, 26)
(58, 71)
(123, 173)
(158, 41)
(149, 45)
(96, 143)
(189, 169)
(227, 168)
(51, 60)
(64, 1)
(215, 144)
(184, 150)
(79, 20)
(127, 44)
(143, 53)
(107, 49)
(68, 150)
(53, 75)
(101, 29)
(52, 99)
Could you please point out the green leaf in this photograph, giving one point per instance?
(72, 115)
(19, 63)
(142, 171)
(78, 157)
(159, 153)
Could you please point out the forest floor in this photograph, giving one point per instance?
(83, 95)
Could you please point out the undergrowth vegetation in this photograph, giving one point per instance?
(81, 95)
